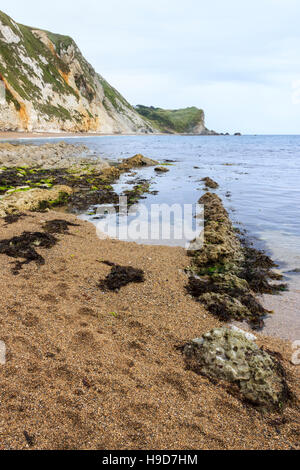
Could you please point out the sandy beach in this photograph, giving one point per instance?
(88, 369)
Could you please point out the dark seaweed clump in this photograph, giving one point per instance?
(24, 246)
(120, 276)
(258, 270)
(12, 218)
(84, 199)
(58, 226)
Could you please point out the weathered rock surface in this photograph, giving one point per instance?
(221, 244)
(137, 161)
(228, 355)
(32, 199)
(47, 156)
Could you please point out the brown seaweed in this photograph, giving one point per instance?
(24, 246)
(58, 226)
(121, 276)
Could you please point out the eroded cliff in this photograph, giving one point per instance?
(47, 85)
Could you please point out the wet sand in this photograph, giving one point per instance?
(287, 325)
(88, 369)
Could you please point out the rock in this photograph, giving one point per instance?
(47, 156)
(161, 169)
(110, 174)
(209, 183)
(137, 161)
(224, 306)
(221, 244)
(228, 355)
(32, 199)
(227, 272)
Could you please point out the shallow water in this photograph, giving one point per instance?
(262, 175)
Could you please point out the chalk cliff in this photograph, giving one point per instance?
(47, 85)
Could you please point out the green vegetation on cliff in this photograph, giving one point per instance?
(19, 73)
(115, 98)
(173, 120)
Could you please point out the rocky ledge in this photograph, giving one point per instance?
(226, 272)
(232, 356)
(40, 177)
(57, 155)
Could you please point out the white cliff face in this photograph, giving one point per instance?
(51, 87)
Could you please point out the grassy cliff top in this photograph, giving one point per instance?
(172, 120)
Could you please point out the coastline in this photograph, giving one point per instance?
(89, 367)
(103, 366)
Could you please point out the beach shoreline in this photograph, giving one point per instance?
(90, 369)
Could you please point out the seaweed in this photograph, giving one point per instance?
(134, 195)
(13, 218)
(257, 270)
(121, 276)
(91, 188)
(58, 226)
(24, 246)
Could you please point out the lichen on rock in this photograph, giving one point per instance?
(226, 354)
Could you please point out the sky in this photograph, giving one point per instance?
(237, 60)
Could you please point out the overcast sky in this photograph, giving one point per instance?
(238, 60)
